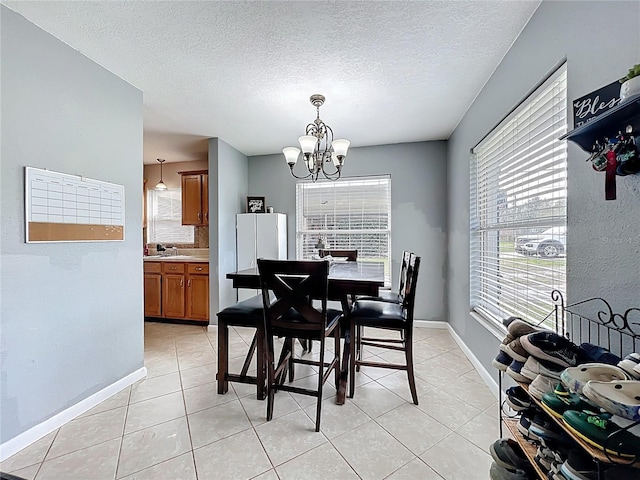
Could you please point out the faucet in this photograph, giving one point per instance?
(160, 249)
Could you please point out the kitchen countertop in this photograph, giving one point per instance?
(176, 258)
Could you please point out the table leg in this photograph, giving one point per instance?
(346, 352)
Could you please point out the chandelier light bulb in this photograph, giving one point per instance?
(340, 147)
(307, 143)
(291, 155)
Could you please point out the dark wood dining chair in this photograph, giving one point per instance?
(389, 295)
(350, 255)
(373, 314)
(299, 310)
(247, 313)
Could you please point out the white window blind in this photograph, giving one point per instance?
(164, 217)
(352, 213)
(518, 208)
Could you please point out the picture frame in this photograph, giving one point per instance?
(256, 205)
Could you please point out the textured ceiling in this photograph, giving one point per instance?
(243, 71)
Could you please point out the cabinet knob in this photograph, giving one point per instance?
(189, 283)
(198, 215)
(199, 269)
(206, 215)
(181, 283)
(173, 268)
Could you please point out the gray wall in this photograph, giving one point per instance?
(603, 237)
(418, 207)
(227, 194)
(71, 313)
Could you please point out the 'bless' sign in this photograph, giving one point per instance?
(595, 103)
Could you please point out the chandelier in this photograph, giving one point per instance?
(321, 153)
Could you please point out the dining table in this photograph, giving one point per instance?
(346, 280)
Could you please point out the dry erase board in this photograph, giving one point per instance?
(70, 208)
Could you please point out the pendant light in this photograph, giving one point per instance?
(161, 185)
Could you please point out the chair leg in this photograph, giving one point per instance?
(336, 348)
(408, 350)
(261, 364)
(223, 356)
(359, 347)
(271, 380)
(320, 385)
(292, 346)
(352, 363)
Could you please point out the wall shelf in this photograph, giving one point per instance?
(607, 124)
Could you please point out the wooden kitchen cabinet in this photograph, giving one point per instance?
(195, 197)
(176, 290)
(173, 290)
(198, 291)
(152, 289)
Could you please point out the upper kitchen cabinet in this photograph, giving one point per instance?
(195, 197)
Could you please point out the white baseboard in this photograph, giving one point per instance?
(13, 446)
(212, 328)
(430, 324)
(486, 377)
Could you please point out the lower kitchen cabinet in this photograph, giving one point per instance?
(152, 289)
(176, 290)
(198, 292)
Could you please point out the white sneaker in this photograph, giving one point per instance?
(629, 365)
(542, 385)
(532, 368)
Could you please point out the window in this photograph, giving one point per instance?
(519, 208)
(352, 213)
(164, 217)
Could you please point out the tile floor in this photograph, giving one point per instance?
(173, 424)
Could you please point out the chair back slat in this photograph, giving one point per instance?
(413, 267)
(403, 273)
(295, 285)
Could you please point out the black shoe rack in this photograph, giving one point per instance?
(588, 321)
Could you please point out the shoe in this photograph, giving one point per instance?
(629, 363)
(543, 428)
(579, 466)
(534, 367)
(541, 385)
(525, 423)
(575, 378)
(514, 372)
(549, 346)
(556, 405)
(509, 455)
(496, 472)
(620, 397)
(502, 361)
(518, 399)
(518, 327)
(506, 341)
(596, 428)
(589, 353)
(508, 321)
(542, 460)
(515, 351)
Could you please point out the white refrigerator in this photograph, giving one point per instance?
(259, 235)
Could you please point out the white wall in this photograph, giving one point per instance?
(603, 236)
(71, 313)
(418, 207)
